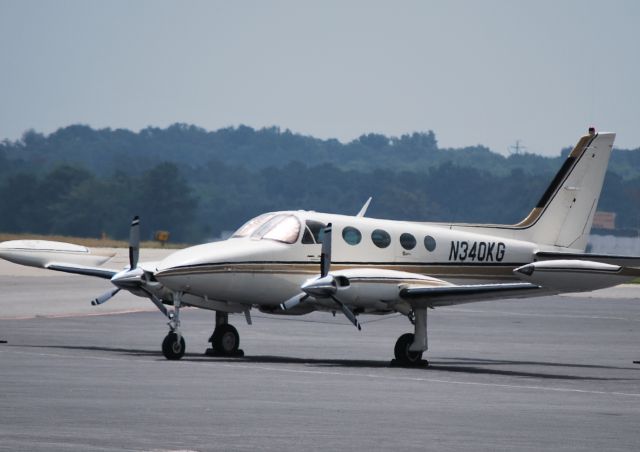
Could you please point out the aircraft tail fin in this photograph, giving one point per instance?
(564, 214)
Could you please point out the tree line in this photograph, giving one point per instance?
(63, 184)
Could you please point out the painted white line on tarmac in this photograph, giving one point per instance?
(77, 314)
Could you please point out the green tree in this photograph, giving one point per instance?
(165, 201)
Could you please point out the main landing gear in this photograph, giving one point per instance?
(225, 340)
(409, 347)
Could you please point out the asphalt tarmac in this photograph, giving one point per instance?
(540, 374)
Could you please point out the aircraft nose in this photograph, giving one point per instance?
(216, 253)
(189, 268)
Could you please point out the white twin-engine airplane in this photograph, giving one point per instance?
(296, 262)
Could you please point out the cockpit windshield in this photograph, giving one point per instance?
(252, 225)
(282, 228)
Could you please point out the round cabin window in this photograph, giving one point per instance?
(351, 235)
(429, 243)
(407, 241)
(381, 238)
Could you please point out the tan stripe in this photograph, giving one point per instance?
(438, 271)
(535, 214)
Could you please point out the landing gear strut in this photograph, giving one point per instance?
(409, 347)
(173, 345)
(225, 340)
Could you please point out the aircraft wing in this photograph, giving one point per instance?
(59, 256)
(98, 272)
(420, 296)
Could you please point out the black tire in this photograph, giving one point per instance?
(226, 340)
(403, 355)
(171, 348)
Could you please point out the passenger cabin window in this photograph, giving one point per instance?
(313, 232)
(407, 241)
(430, 243)
(281, 228)
(381, 238)
(351, 235)
(252, 225)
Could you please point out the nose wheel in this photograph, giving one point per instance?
(173, 346)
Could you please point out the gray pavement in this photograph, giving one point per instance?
(539, 374)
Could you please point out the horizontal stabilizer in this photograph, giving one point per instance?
(623, 261)
(575, 275)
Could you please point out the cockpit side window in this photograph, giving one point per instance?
(252, 225)
(313, 232)
(282, 228)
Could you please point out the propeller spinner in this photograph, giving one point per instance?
(133, 278)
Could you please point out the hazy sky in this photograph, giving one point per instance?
(474, 72)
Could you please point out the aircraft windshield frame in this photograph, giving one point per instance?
(283, 228)
(252, 225)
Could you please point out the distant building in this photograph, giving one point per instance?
(610, 244)
(604, 220)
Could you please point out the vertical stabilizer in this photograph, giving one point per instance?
(564, 214)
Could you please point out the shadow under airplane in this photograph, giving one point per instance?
(446, 364)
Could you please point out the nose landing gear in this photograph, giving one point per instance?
(173, 345)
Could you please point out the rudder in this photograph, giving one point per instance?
(564, 214)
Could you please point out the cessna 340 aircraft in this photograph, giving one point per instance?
(293, 263)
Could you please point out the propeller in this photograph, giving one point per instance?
(104, 297)
(293, 301)
(348, 313)
(324, 286)
(127, 279)
(325, 253)
(134, 243)
(132, 279)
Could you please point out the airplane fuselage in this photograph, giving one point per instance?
(251, 270)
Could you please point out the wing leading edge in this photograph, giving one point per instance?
(103, 273)
(424, 296)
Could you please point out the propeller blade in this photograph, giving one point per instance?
(293, 301)
(347, 312)
(104, 297)
(325, 256)
(134, 242)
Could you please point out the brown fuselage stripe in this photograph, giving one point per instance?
(459, 271)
